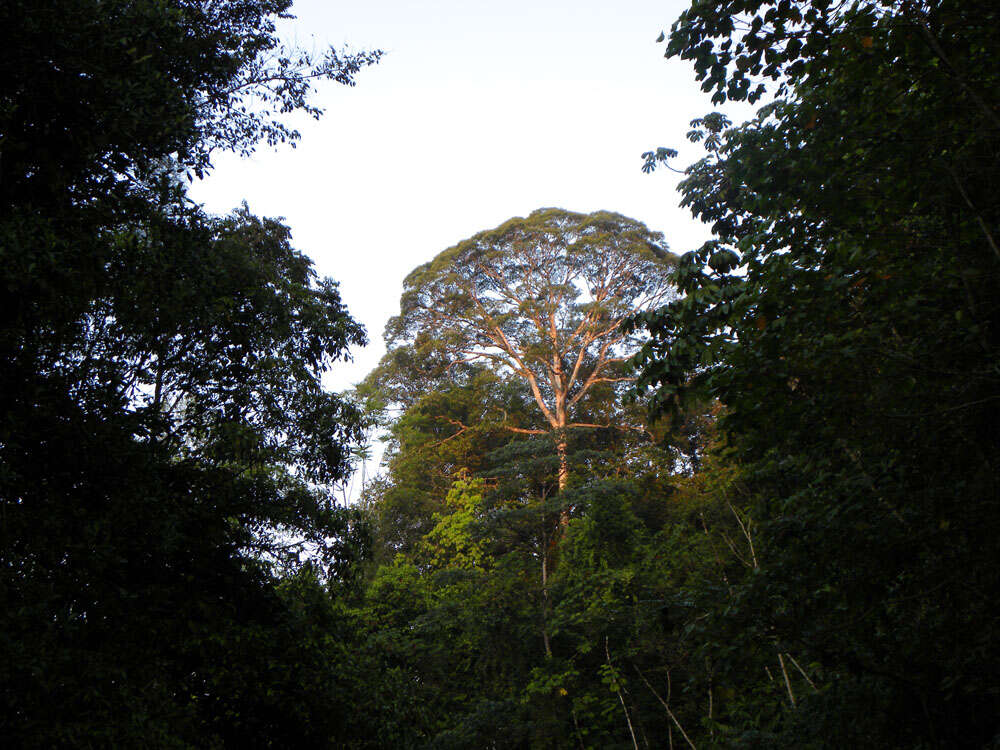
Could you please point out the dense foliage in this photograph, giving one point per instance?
(813, 564)
(744, 498)
(492, 645)
(163, 423)
(846, 316)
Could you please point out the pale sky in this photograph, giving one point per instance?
(479, 111)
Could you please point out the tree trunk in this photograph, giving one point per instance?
(561, 450)
(563, 478)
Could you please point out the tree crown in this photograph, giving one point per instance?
(542, 298)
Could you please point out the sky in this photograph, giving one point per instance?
(479, 111)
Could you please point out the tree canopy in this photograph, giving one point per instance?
(543, 298)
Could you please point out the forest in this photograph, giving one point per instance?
(740, 496)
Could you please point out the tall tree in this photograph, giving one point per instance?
(541, 301)
(543, 298)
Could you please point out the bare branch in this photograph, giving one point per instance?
(666, 706)
(802, 672)
(522, 431)
(788, 683)
(457, 423)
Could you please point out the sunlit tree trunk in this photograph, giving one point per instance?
(563, 476)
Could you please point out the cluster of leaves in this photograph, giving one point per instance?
(846, 317)
(165, 440)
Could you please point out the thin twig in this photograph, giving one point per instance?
(666, 706)
(788, 683)
(972, 207)
(746, 533)
(802, 672)
(628, 719)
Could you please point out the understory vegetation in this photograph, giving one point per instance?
(744, 496)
